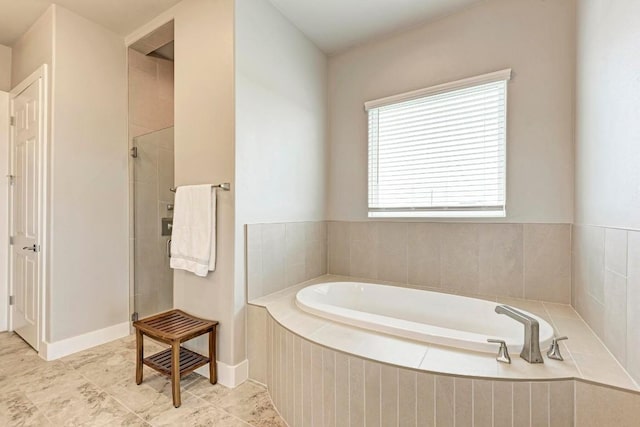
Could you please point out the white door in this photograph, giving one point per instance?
(26, 108)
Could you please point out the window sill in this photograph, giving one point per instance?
(438, 214)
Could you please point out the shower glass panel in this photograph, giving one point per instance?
(153, 206)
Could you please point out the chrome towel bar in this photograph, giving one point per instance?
(226, 186)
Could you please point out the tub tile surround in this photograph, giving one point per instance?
(606, 289)
(513, 260)
(284, 254)
(585, 356)
(357, 391)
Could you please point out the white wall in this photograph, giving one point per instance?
(89, 286)
(4, 208)
(607, 114)
(281, 104)
(33, 48)
(5, 68)
(534, 38)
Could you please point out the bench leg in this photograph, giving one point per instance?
(213, 372)
(175, 373)
(139, 355)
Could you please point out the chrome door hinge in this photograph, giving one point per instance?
(12, 121)
(134, 152)
(10, 299)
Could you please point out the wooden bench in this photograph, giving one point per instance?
(173, 328)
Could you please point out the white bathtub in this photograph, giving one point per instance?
(430, 317)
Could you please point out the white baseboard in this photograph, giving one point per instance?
(62, 348)
(228, 375)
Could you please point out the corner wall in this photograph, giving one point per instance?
(606, 248)
(281, 110)
(5, 68)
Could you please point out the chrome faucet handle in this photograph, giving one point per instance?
(554, 350)
(503, 352)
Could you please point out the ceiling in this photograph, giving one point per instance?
(120, 16)
(335, 25)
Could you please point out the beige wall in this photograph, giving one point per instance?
(89, 218)
(606, 248)
(534, 38)
(5, 68)
(281, 104)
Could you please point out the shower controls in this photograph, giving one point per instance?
(167, 225)
(554, 350)
(503, 351)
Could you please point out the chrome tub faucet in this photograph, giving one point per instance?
(531, 348)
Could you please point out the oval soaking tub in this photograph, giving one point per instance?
(426, 316)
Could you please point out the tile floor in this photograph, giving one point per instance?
(97, 387)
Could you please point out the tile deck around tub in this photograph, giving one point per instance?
(585, 355)
(97, 387)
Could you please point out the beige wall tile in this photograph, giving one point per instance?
(615, 251)
(257, 343)
(307, 385)
(363, 243)
(338, 242)
(389, 395)
(329, 387)
(316, 381)
(342, 389)
(459, 261)
(254, 261)
(633, 306)
(502, 404)
(463, 405)
(561, 403)
(407, 394)
(426, 384)
(391, 257)
(295, 242)
(521, 404)
(356, 392)
(444, 401)
(315, 252)
(501, 260)
(615, 315)
(594, 249)
(273, 255)
(297, 381)
(598, 406)
(547, 262)
(539, 404)
(372, 394)
(423, 253)
(482, 403)
(290, 378)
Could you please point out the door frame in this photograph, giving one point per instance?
(39, 74)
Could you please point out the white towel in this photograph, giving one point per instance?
(193, 235)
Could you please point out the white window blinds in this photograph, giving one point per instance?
(440, 152)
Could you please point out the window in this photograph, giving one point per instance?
(440, 151)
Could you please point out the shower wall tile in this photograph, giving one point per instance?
(633, 305)
(338, 239)
(615, 251)
(547, 262)
(615, 315)
(282, 255)
(391, 255)
(363, 240)
(460, 257)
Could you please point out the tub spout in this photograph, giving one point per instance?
(531, 348)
